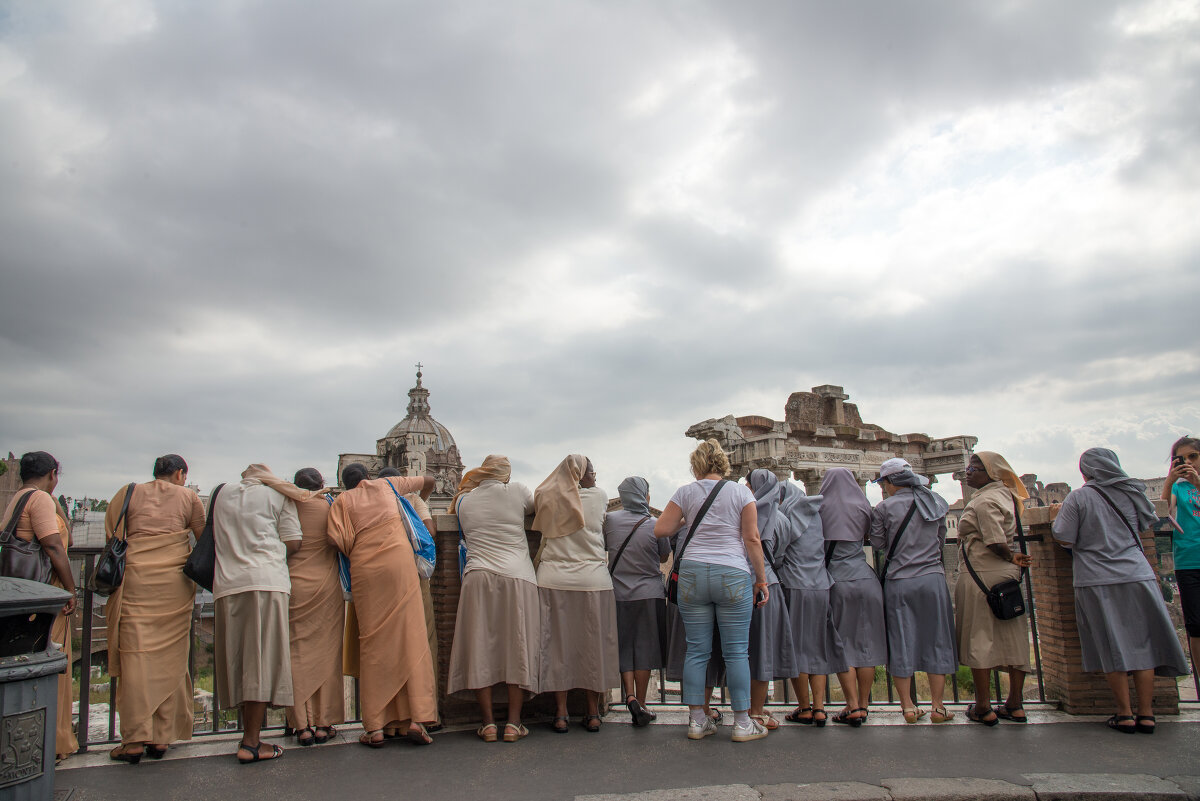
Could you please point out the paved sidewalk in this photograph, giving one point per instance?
(623, 762)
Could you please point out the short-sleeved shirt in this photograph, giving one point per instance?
(251, 523)
(1103, 549)
(803, 563)
(920, 550)
(718, 538)
(38, 518)
(638, 575)
(989, 518)
(1187, 514)
(492, 517)
(578, 561)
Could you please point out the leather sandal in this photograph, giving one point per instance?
(819, 722)
(275, 752)
(990, 718)
(797, 715)
(514, 732)
(305, 742)
(119, 754)
(1114, 722)
(766, 720)
(486, 732)
(844, 718)
(1142, 728)
(330, 733)
(155, 753)
(587, 723)
(367, 738)
(418, 736)
(913, 714)
(1005, 712)
(564, 728)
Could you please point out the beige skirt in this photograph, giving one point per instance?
(984, 640)
(251, 649)
(497, 634)
(579, 640)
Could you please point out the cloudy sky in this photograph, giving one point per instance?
(230, 229)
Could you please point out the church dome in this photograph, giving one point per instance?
(418, 427)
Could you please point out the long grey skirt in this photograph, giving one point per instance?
(817, 645)
(579, 640)
(497, 634)
(251, 649)
(920, 626)
(857, 609)
(772, 652)
(642, 633)
(1125, 627)
(677, 651)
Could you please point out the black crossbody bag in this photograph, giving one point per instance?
(109, 571)
(21, 559)
(673, 579)
(612, 566)
(1005, 598)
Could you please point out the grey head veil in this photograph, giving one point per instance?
(846, 512)
(635, 494)
(1101, 468)
(930, 505)
(765, 485)
(802, 510)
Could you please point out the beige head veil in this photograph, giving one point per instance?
(262, 474)
(494, 467)
(558, 508)
(998, 469)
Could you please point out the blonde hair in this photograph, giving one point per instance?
(709, 457)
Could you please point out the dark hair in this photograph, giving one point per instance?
(388, 472)
(36, 464)
(309, 478)
(168, 465)
(353, 474)
(1182, 442)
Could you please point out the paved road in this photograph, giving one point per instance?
(621, 759)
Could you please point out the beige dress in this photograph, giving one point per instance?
(985, 641)
(149, 616)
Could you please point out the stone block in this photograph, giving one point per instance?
(1189, 784)
(953, 789)
(720, 792)
(823, 791)
(1103, 787)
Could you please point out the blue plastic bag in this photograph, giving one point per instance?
(424, 548)
(343, 563)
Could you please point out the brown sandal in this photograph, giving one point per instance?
(368, 740)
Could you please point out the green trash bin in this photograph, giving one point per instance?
(29, 668)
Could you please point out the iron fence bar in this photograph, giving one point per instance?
(112, 709)
(1037, 648)
(85, 658)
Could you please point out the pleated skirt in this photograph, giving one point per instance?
(677, 651)
(920, 626)
(857, 610)
(1125, 627)
(642, 634)
(772, 650)
(252, 650)
(579, 640)
(818, 647)
(497, 634)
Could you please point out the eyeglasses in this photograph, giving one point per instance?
(973, 469)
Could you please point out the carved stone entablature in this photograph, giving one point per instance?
(724, 430)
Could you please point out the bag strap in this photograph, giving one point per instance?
(896, 542)
(212, 505)
(612, 566)
(124, 509)
(10, 530)
(712, 496)
(962, 546)
(829, 546)
(1136, 539)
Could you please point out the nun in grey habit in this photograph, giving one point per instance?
(772, 652)
(917, 606)
(1123, 622)
(855, 599)
(800, 564)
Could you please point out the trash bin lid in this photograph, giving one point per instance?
(20, 596)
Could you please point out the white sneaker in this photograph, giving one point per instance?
(698, 731)
(744, 734)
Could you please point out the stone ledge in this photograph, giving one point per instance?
(1103, 787)
(1190, 785)
(823, 791)
(955, 789)
(721, 792)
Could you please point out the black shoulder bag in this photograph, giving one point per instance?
(21, 559)
(201, 565)
(896, 542)
(612, 566)
(109, 571)
(1005, 598)
(673, 579)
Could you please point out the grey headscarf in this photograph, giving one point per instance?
(765, 485)
(1100, 468)
(930, 505)
(846, 512)
(635, 493)
(799, 508)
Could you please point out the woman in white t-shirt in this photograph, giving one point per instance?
(716, 554)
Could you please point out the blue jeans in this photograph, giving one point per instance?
(725, 594)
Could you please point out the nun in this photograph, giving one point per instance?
(635, 557)
(772, 651)
(855, 599)
(805, 581)
(1123, 622)
(909, 526)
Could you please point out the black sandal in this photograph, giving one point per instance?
(819, 722)
(797, 715)
(305, 742)
(974, 715)
(1142, 727)
(844, 718)
(118, 754)
(276, 752)
(321, 739)
(155, 753)
(1005, 712)
(1115, 721)
(566, 725)
(587, 723)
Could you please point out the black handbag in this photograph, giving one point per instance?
(109, 571)
(673, 579)
(1005, 598)
(21, 559)
(201, 564)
